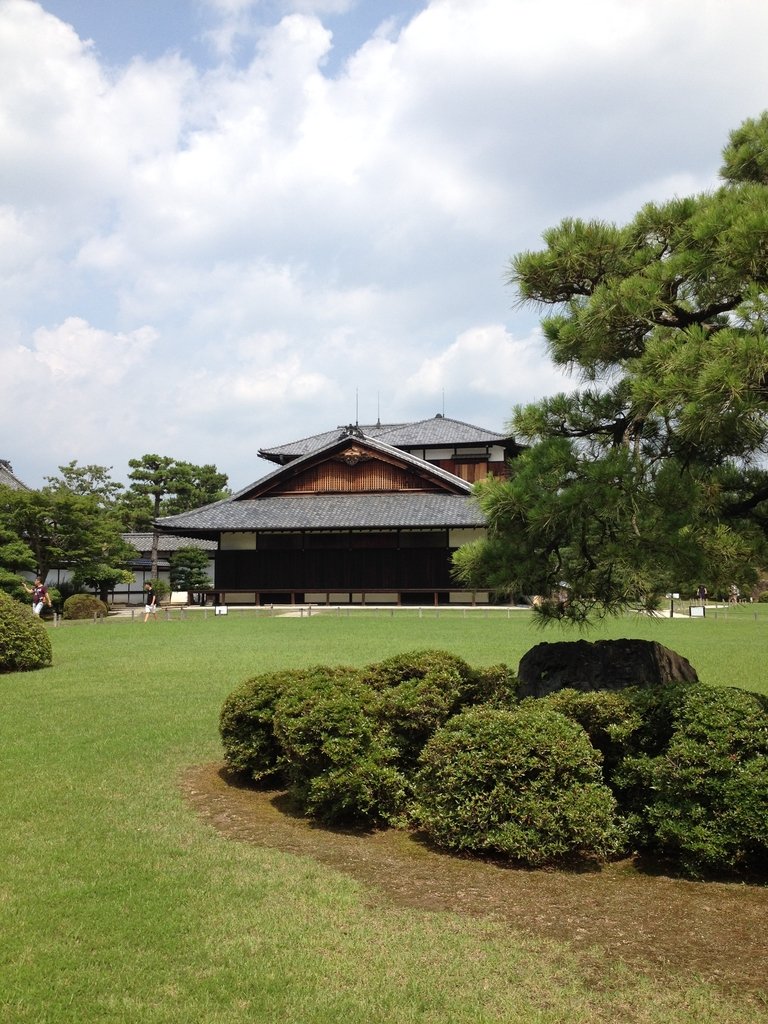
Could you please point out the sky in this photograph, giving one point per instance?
(229, 224)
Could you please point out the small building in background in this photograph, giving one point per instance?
(141, 566)
(9, 479)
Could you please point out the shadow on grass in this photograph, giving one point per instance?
(706, 931)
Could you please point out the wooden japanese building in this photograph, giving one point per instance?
(356, 515)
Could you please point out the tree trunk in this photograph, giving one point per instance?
(155, 538)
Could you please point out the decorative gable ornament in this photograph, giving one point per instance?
(354, 455)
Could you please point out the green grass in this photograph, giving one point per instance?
(118, 905)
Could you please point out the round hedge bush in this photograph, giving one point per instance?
(84, 606)
(341, 762)
(611, 719)
(413, 665)
(522, 783)
(419, 691)
(24, 640)
(704, 806)
(246, 722)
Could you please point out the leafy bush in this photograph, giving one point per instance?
(246, 720)
(680, 771)
(84, 606)
(611, 719)
(419, 691)
(496, 685)
(66, 588)
(412, 665)
(705, 807)
(11, 584)
(414, 709)
(341, 762)
(24, 641)
(524, 783)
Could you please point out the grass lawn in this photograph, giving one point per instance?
(119, 903)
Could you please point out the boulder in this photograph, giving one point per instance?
(602, 665)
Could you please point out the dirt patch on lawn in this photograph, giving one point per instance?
(708, 931)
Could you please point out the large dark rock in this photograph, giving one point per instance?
(603, 665)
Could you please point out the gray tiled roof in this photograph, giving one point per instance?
(9, 479)
(167, 542)
(332, 512)
(437, 431)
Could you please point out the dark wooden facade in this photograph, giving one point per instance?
(341, 561)
(353, 470)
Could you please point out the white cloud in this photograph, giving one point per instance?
(269, 238)
(489, 361)
(77, 352)
(76, 392)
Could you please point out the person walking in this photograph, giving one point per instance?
(40, 596)
(150, 602)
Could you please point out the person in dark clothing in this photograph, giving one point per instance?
(39, 594)
(150, 602)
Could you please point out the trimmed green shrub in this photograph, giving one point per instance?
(419, 691)
(24, 640)
(417, 665)
(705, 806)
(340, 761)
(612, 719)
(246, 720)
(414, 709)
(522, 783)
(84, 606)
(11, 584)
(496, 685)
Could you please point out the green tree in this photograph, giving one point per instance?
(189, 569)
(651, 476)
(63, 529)
(101, 577)
(173, 486)
(87, 480)
(206, 485)
(15, 557)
